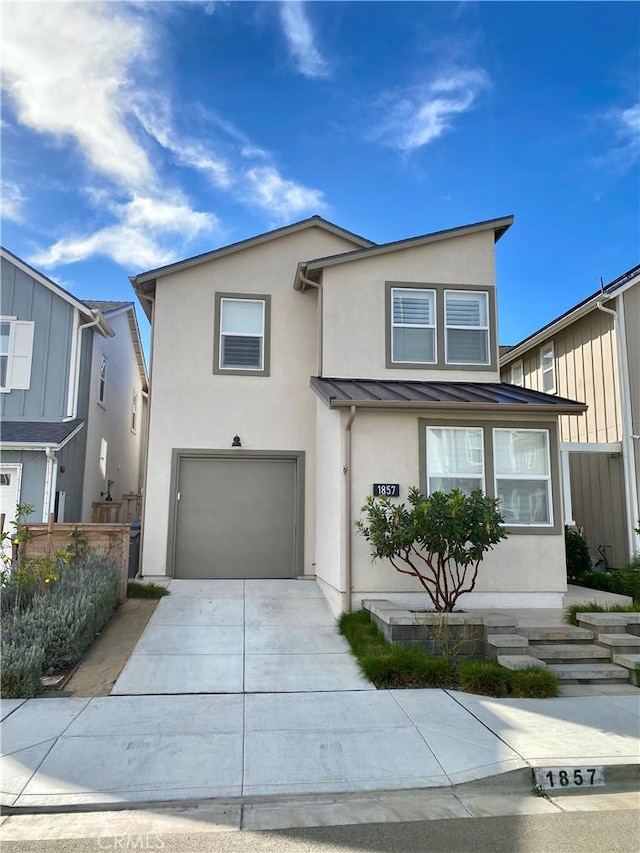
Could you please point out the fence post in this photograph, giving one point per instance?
(49, 534)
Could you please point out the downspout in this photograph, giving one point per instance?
(348, 516)
(317, 286)
(51, 475)
(630, 486)
(76, 380)
(147, 427)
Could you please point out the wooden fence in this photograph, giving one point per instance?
(107, 540)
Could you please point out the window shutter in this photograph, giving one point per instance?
(21, 354)
(412, 308)
(242, 352)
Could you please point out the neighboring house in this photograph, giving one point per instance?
(72, 397)
(592, 352)
(295, 370)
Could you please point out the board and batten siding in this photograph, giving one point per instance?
(23, 297)
(585, 362)
(632, 321)
(597, 495)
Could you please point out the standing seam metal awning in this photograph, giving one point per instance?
(394, 393)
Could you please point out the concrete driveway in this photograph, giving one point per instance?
(241, 636)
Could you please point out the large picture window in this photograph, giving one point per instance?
(413, 321)
(242, 334)
(455, 459)
(523, 475)
(467, 327)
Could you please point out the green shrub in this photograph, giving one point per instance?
(64, 619)
(361, 633)
(145, 590)
(21, 668)
(484, 676)
(577, 553)
(398, 667)
(534, 683)
(596, 580)
(626, 581)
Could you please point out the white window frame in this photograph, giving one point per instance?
(484, 328)
(515, 379)
(261, 335)
(432, 325)
(18, 374)
(520, 476)
(102, 380)
(134, 411)
(454, 476)
(545, 349)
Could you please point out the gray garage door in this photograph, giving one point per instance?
(236, 518)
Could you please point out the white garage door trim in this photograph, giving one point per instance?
(180, 454)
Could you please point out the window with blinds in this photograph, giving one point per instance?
(242, 326)
(413, 322)
(466, 327)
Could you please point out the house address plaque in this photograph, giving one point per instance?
(387, 490)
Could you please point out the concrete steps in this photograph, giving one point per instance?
(570, 652)
(619, 643)
(590, 673)
(566, 634)
(632, 664)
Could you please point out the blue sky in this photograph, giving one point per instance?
(136, 134)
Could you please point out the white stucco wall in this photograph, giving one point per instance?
(112, 421)
(524, 570)
(354, 305)
(191, 407)
(330, 480)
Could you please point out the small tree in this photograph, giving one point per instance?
(577, 553)
(440, 539)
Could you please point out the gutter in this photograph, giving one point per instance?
(316, 286)
(412, 405)
(630, 485)
(348, 515)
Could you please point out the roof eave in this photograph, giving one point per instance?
(541, 408)
(498, 226)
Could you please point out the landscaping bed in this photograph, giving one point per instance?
(393, 666)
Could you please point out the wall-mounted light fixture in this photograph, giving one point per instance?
(236, 441)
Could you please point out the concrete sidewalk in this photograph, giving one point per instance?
(129, 750)
(244, 689)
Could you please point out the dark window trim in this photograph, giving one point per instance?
(266, 362)
(440, 363)
(488, 425)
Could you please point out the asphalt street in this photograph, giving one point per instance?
(582, 832)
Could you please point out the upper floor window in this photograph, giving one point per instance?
(413, 326)
(134, 411)
(467, 327)
(455, 459)
(517, 373)
(242, 334)
(103, 380)
(548, 368)
(523, 475)
(16, 348)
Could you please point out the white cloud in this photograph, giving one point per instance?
(11, 201)
(301, 40)
(66, 71)
(145, 227)
(282, 198)
(422, 114)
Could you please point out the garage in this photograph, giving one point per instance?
(236, 514)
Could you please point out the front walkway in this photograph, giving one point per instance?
(237, 636)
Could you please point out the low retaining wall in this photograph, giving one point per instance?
(460, 635)
(107, 540)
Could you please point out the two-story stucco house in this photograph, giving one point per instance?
(73, 384)
(295, 370)
(592, 352)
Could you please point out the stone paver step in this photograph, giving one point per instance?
(570, 652)
(520, 662)
(628, 661)
(568, 634)
(595, 673)
(620, 643)
(610, 623)
(506, 644)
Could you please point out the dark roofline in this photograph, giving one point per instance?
(152, 275)
(605, 293)
(499, 226)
